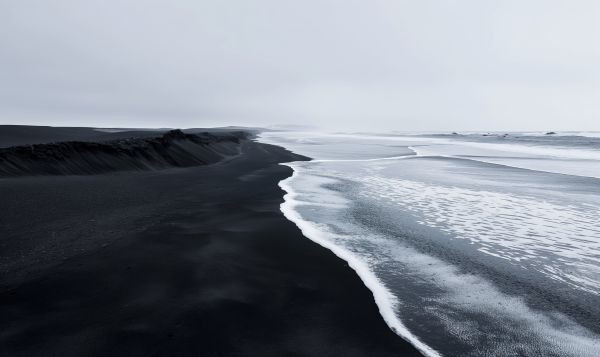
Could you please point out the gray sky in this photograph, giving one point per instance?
(337, 64)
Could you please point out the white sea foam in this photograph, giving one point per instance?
(468, 293)
(529, 150)
(318, 234)
(521, 229)
(535, 221)
(367, 252)
(554, 159)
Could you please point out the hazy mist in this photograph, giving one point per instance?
(336, 64)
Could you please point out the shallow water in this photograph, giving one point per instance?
(472, 245)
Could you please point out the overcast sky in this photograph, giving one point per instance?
(337, 64)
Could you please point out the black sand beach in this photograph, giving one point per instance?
(195, 261)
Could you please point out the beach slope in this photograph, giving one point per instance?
(195, 261)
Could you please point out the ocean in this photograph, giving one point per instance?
(477, 244)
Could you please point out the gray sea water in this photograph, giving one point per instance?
(473, 245)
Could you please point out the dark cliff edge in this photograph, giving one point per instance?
(173, 149)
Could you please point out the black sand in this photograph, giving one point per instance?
(172, 149)
(181, 262)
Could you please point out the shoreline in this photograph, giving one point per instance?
(177, 262)
(383, 298)
(399, 223)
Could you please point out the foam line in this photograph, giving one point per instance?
(383, 297)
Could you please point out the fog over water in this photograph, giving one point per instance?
(356, 65)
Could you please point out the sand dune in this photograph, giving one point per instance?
(172, 149)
